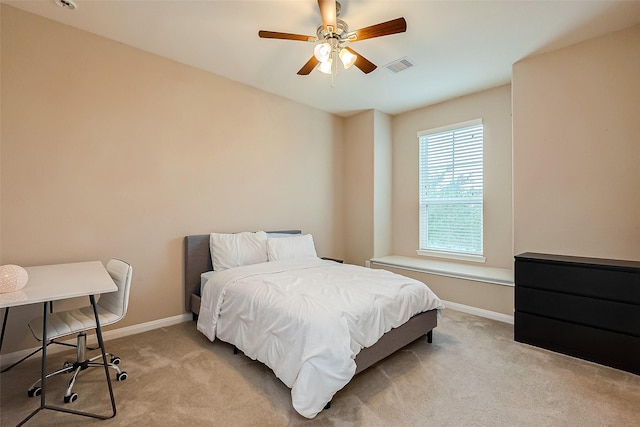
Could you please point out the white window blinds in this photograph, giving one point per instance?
(451, 185)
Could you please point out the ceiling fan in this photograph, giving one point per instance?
(332, 38)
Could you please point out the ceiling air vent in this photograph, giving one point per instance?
(67, 4)
(399, 65)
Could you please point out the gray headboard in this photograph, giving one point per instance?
(197, 260)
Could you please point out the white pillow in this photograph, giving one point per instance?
(236, 250)
(276, 235)
(300, 246)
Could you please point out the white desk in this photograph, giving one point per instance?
(50, 283)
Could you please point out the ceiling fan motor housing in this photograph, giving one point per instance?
(341, 32)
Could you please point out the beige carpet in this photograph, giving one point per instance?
(473, 374)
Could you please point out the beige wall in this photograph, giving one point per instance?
(576, 149)
(367, 183)
(108, 151)
(359, 134)
(1, 9)
(382, 179)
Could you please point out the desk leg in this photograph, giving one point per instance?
(45, 319)
(4, 326)
(104, 354)
(43, 369)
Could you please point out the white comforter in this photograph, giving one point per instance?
(308, 318)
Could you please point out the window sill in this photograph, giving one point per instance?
(497, 276)
(451, 255)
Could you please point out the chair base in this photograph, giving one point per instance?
(80, 364)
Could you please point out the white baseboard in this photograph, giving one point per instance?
(501, 317)
(147, 326)
(8, 359)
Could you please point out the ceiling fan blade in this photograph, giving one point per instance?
(363, 63)
(328, 12)
(285, 36)
(394, 26)
(308, 67)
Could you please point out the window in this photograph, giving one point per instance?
(451, 186)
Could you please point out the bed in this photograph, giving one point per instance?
(198, 260)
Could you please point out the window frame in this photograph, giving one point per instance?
(432, 252)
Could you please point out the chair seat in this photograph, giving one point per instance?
(71, 322)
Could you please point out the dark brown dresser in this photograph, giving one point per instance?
(584, 307)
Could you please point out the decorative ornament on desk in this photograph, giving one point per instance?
(12, 278)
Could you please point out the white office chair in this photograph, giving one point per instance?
(111, 308)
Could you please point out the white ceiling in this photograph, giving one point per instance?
(458, 47)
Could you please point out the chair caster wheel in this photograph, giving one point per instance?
(33, 392)
(72, 398)
(115, 360)
(122, 376)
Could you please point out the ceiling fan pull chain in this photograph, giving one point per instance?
(334, 64)
(332, 83)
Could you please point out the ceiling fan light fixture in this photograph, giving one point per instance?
(347, 58)
(326, 66)
(322, 51)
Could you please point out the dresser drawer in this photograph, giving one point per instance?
(597, 313)
(586, 280)
(608, 348)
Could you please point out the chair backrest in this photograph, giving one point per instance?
(117, 302)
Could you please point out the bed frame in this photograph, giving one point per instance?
(197, 260)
